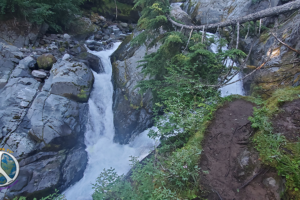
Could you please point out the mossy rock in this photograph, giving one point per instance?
(46, 61)
(107, 8)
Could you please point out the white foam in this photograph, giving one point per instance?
(102, 152)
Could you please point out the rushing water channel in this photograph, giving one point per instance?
(102, 152)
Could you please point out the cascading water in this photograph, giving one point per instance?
(235, 88)
(102, 152)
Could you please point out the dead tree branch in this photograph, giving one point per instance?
(238, 35)
(285, 44)
(188, 40)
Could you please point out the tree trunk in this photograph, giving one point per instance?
(294, 5)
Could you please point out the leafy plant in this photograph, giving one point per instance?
(54, 196)
(273, 147)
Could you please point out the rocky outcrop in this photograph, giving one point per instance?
(44, 123)
(107, 8)
(283, 69)
(20, 32)
(214, 11)
(179, 14)
(132, 111)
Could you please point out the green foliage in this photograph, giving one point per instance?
(252, 28)
(54, 196)
(57, 13)
(165, 177)
(111, 186)
(273, 147)
(153, 19)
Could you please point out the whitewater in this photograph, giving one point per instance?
(103, 153)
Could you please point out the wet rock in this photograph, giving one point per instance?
(15, 99)
(46, 61)
(124, 25)
(66, 57)
(74, 166)
(38, 74)
(77, 50)
(91, 47)
(83, 29)
(67, 36)
(97, 37)
(72, 80)
(180, 15)
(21, 71)
(52, 46)
(106, 37)
(132, 111)
(28, 62)
(92, 61)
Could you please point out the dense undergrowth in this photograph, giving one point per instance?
(59, 14)
(275, 150)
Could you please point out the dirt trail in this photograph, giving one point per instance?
(229, 161)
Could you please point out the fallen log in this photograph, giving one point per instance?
(294, 5)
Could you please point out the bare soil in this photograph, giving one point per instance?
(230, 166)
(287, 121)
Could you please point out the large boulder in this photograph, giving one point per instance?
(46, 61)
(92, 61)
(42, 172)
(180, 15)
(72, 80)
(132, 111)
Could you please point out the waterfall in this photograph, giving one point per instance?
(102, 151)
(235, 88)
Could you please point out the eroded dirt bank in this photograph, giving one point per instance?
(229, 162)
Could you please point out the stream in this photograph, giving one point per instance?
(103, 153)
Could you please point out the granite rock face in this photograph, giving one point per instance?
(43, 124)
(180, 15)
(21, 33)
(132, 111)
(283, 68)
